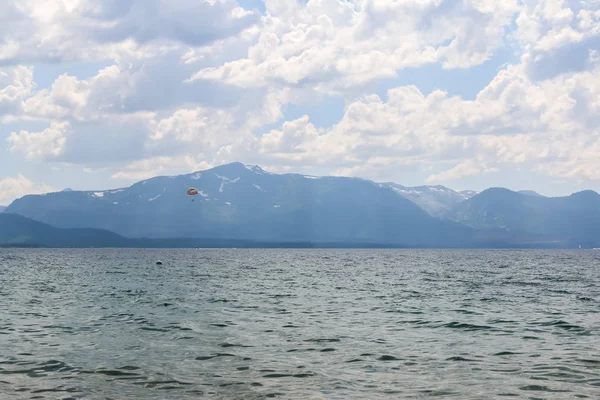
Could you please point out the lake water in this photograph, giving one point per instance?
(310, 324)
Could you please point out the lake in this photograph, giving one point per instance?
(290, 324)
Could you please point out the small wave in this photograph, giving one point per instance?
(468, 312)
(113, 372)
(561, 324)
(58, 389)
(528, 337)
(589, 361)
(306, 349)
(540, 388)
(154, 384)
(458, 358)
(388, 358)
(148, 328)
(202, 358)
(466, 327)
(405, 312)
(506, 353)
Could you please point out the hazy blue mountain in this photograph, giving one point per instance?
(245, 202)
(467, 194)
(2, 208)
(436, 200)
(18, 230)
(571, 220)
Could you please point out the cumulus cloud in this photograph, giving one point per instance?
(199, 83)
(152, 167)
(465, 168)
(13, 188)
(558, 35)
(332, 44)
(47, 144)
(191, 22)
(514, 120)
(71, 30)
(16, 84)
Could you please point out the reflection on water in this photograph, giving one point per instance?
(319, 324)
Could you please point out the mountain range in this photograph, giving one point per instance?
(572, 220)
(247, 203)
(18, 231)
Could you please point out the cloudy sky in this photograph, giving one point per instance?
(98, 94)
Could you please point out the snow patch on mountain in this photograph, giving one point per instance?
(256, 169)
(226, 180)
(467, 194)
(435, 200)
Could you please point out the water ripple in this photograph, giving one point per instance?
(320, 324)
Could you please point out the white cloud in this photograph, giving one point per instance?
(465, 168)
(16, 84)
(333, 44)
(46, 144)
(152, 167)
(70, 30)
(512, 121)
(143, 114)
(191, 22)
(13, 188)
(557, 35)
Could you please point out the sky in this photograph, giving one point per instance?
(469, 94)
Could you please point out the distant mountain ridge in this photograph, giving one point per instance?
(2, 208)
(573, 220)
(244, 202)
(18, 231)
(436, 200)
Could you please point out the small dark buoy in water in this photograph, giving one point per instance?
(159, 262)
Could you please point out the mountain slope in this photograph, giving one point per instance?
(2, 208)
(18, 230)
(572, 220)
(467, 194)
(436, 200)
(245, 202)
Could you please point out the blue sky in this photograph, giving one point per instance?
(468, 94)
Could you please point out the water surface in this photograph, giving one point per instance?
(316, 324)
